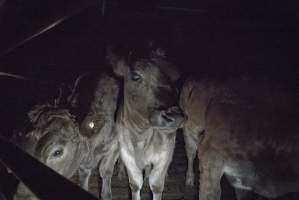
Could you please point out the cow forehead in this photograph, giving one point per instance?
(146, 68)
(157, 69)
(62, 128)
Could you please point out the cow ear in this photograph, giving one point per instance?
(119, 68)
(35, 113)
(105, 99)
(158, 53)
(174, 73)
(117, 62)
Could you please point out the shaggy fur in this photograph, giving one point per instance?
(53, 137)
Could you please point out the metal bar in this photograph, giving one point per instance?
(21, 21)
(183, 9)
(45, 183)
(14, 76)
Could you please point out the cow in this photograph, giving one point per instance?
(148, 115)
(55, 138)
(244, 129)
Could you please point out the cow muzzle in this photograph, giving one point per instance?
(172, 117)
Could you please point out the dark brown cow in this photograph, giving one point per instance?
(148, 118)
(245, 130)
(54, 138)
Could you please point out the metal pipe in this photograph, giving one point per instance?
(14, 76)
(22, 21)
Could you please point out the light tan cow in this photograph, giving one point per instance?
(55, 138)
(148, 117)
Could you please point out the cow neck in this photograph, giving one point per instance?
(100, 139)
(80, 154)
(134, 120)
(83, 150)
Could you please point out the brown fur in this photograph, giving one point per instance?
(250, 134)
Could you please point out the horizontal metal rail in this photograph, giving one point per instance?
(21, 21)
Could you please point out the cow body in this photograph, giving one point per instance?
(149, 148)
(245, 131)
(147, 119)
(56, 139)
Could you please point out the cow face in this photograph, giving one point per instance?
(53, 139)
(149, 90)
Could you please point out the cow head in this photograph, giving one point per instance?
(57, 140)
(101, 110)
(150, 95)
(53, 138)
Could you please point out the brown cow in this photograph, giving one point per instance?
(54, 138)
(245, 130)
(148, 117)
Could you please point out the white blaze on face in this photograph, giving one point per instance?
(91, 125)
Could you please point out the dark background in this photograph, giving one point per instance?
(219, 38)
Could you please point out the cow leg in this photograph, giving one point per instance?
(211, 171)
(157, 179)
(136, 181)
(134, 174)
(147, 172)
(84, 175)
(191, 148)
(106, 172)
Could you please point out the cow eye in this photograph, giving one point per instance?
(91, 125)
(135, 76)
(57, 153)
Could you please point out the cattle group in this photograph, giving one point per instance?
(243, 129)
